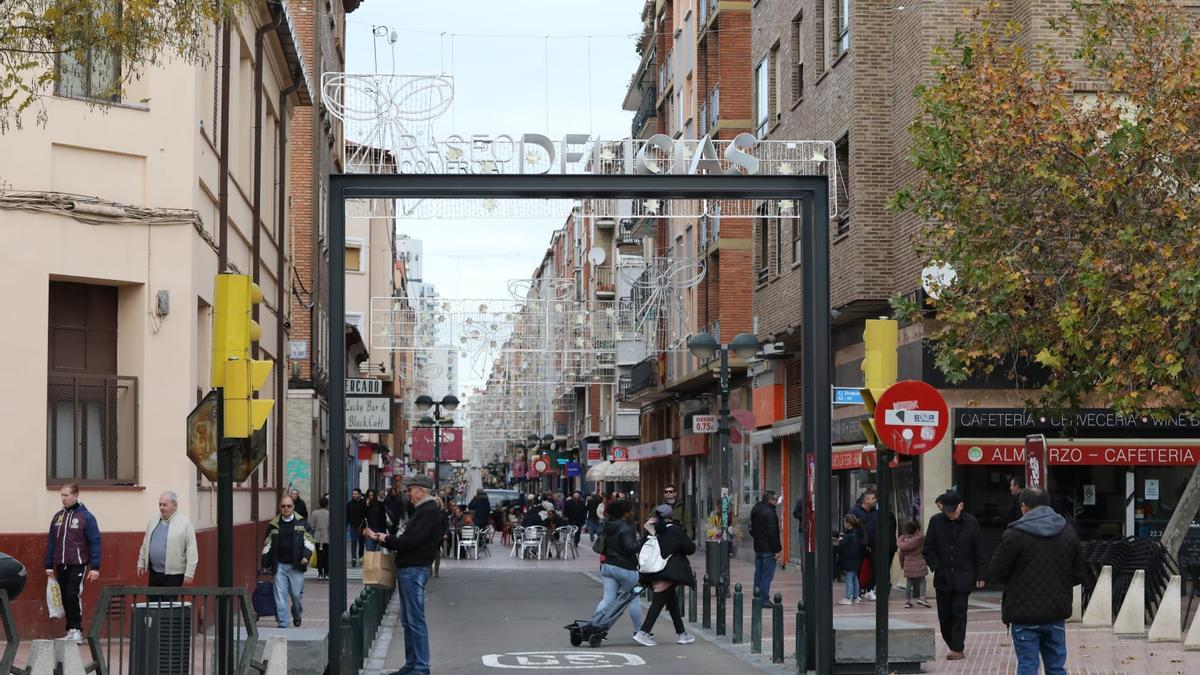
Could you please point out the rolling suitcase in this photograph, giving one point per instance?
(595, 630)
(263, 598)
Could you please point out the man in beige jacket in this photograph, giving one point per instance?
(169, 547)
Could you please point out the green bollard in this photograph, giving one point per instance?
(755, 623)
(347, 656)
(355, 644)
(722, 596)
(706, 618)
(801, 633)
(777, 630)
(691, 604)
(737, 614)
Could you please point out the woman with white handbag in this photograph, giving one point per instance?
(664, 565)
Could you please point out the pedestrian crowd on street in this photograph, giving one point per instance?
(1039, 561)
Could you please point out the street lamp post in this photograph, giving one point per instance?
(424, 402)
(705, 346)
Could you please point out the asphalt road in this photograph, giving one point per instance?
(493, 621)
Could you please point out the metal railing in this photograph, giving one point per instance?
(665, 75)
(169, 631)
(359, 626)
(625, 234)
(623, 388)
(714, 107)
(602, 279)
(703, 117)
(91, 428)
(647, 109)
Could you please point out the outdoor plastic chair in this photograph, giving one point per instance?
(485, 540)
(532, 538)
(516, 533)
(468, 538)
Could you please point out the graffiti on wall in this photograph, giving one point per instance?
(299, 474)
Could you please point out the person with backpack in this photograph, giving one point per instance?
(619, 545)
(663, 565)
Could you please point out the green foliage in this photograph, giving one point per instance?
(1072, 218)
(122, 37)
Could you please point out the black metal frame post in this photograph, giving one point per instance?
(437, 450)
(816, 349)
(725, 480)
(224, 541)
(883, 548)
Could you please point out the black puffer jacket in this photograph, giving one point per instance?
(764, 528)
(954, 551)
(621, 544)
(1039, 560)
(675, 546)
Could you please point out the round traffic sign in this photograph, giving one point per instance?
(541, 465)
(911, 417)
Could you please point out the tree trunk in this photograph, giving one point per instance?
(1181, 519)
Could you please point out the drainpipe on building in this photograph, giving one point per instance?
(281, 276)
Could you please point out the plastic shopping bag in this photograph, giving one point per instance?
(54, 603)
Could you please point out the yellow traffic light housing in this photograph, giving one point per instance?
(881, 338)
(233, 370)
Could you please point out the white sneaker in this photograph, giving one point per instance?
(858, 601)
(845, 601)
(75, 635)
(869, 595)
(644, 639)
(686, 639)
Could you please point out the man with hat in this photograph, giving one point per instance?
(954, 551)
(415, 550)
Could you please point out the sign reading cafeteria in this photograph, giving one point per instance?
(1121, 452)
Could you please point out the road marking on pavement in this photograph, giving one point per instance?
(564, 660)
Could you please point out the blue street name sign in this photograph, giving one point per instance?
(847, 396)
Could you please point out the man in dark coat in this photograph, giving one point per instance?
(415, 550)
(764, 529)
(1039, 560)
(575, 511)
(1015, 485)
(954, 551)
(481, 507)
(356, 514)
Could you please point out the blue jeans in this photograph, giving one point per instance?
(412, 617)
(1049, 640)
(289, 585)
(852, 589)
(618, 580)
(764, 573)
(593, 526)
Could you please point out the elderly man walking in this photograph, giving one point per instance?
(288, 548)
(415, 550)
(169, 551)
(954, 551)
(1039, 560)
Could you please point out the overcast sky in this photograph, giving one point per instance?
(501, 59)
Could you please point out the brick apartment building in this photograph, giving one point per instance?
(844, 71)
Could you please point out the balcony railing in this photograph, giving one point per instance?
(626, 236)
(703, 117)
(714, 107)
(665, 74)
(91, 428)
(602, 280)
(647, 109)
(643, 376)
(623, 388)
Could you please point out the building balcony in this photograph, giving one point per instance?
(627, 239)
(91, 429)
(603, 283)
(647, 110)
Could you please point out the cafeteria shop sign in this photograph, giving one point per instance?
(1075, 452)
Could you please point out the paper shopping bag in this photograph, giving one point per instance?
(379, 569)
(54, 603)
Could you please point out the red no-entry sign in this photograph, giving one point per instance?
(911, 417)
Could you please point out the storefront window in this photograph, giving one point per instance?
(751, 474)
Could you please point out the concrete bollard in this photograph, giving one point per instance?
(1076, 604)
(1099, 607)
(41, 657)
(1167, 625)
(66, 653)
(1131, 619)
(275, 655)
(1191, 641)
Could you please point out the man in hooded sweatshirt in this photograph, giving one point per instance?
(1039, 560)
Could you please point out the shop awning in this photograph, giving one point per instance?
(1082, 451)
(623, 471)
(596, 471)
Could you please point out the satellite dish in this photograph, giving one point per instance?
(596, 256)
(937, 277)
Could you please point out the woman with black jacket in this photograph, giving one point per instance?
(675, 546)
(376, 518)
(620, 568)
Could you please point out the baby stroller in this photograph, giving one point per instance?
(595, 630)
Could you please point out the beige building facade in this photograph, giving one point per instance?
(115, 208)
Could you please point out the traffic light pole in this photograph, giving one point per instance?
(723, 434)
(224, 542)
(437, 452)
(883, 556)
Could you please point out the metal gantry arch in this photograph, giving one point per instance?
(816, 356)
